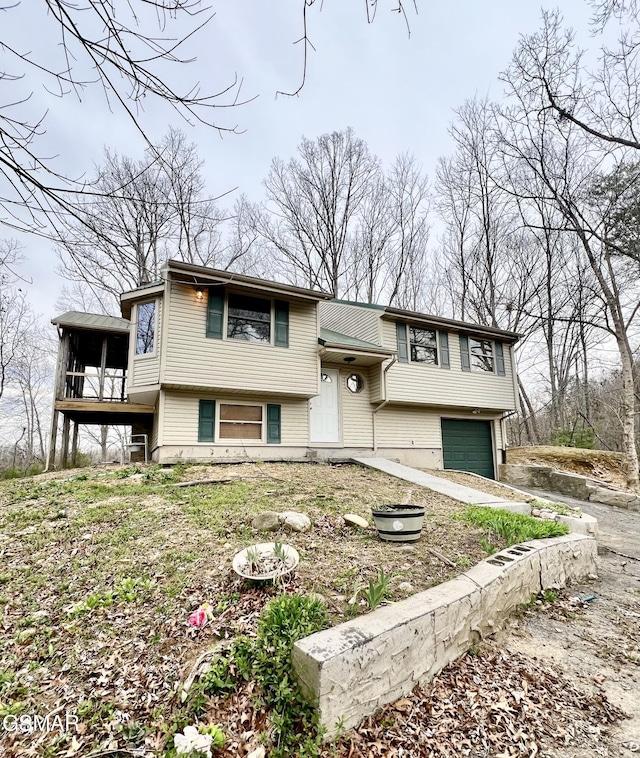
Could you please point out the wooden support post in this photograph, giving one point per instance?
(64, 455)
(51, 452)
(74, 445)
(103, 367)
(58, 394)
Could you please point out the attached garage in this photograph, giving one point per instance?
(468, 446)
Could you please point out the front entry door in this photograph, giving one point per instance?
(324, 414)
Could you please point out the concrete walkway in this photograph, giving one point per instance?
(438, 484)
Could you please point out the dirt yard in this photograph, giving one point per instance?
(597, 464)
(100, 569)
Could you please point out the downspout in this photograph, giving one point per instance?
(393, 360)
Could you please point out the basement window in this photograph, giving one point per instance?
(241, 422)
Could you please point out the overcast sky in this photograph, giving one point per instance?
(397, 91)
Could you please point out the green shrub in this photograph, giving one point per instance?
(267, 660)
(582, 438)
(512, 527)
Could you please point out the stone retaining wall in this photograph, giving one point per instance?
(573, 485)
(352, 669)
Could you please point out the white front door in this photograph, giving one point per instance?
(324, 414)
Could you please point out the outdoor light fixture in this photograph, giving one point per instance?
(349, 359)
(199, 293)
(475, 411)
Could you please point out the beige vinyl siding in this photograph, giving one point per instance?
(433, 385)
(357, 421)
(375, 383)
(180, 417)
(228, 364)
(352, 320)
(407, 427)
(497, 432)
(145, 369)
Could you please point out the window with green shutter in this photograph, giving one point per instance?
(206, 421)
(274, 415)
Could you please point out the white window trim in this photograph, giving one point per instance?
(272, 321)
(235, 440)
(154, 352)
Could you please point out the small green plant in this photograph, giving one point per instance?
(127, 590)
(488, 548)
(512, 527)
(295, 728)
(377, 589)
(253, 559)
(549, 596)
(279, 551)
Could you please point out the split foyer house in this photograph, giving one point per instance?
(213, 365)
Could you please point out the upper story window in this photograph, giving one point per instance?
(418, 345)
(249, 318)
(481, 355)
(423, 344)
(145, 327)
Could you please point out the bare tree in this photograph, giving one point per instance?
(16, 316)
(312, 205)
(128, 50)
(547, 153)
(389, 245)
(602, 100)
(149, 210)
(490, 264)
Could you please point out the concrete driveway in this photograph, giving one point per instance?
(619, 529)
(598, 647)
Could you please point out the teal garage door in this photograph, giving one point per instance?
(467, 446)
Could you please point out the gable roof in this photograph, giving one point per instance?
(92, 321)
(189, 273)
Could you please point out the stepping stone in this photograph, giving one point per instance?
(354, 520)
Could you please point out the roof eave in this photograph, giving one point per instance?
(204, 276)
(397, 314)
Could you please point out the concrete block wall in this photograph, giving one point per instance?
(353, 669)
(574, 485)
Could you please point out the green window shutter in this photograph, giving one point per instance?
(215, 313)
(282, 324)
(500, 359)
(403, 349)
(273, 424)
(444, 349)
(464, 353)
(206, 421)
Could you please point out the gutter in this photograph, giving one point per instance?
(393, 360)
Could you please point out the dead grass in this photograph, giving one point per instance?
(101, 568)
(598, 464)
